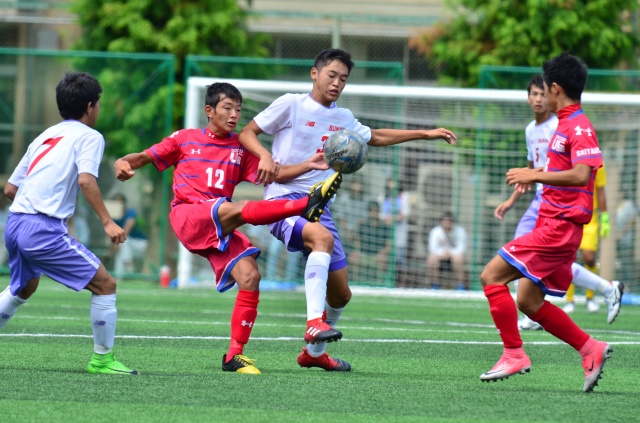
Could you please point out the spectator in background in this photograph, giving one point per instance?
(447, 245)
(135, 246)
(395, 209)
(370, 259)
(4, 214)
(350, 210)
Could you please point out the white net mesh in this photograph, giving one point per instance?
(431, 177)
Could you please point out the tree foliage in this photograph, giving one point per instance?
(528, 32)
(135, 93)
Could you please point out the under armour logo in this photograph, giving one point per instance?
(195, 151)
(579, 130)
(245, 323)
(512, 248)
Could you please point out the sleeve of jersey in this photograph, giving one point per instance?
(276, 116)
(20, 172)
(585, 149)
(530, 156)
(90, 154)
(167, 152)
(362, 130)
(250, 168)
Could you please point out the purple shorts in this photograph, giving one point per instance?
(38, 244)
(530, 217)
(289, 231)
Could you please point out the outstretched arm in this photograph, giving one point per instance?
(384, 137)
(267, 169)
(315, 162)
(523, 177)
(125, 166)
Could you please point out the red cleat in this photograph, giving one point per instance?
(593, 363)
(319, 331)
(330, 364)
(507, 366)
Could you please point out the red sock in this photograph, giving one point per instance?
(559, 324)
(270, 211)
(242, 319)
(505, 314)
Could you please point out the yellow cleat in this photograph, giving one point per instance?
(240, 364)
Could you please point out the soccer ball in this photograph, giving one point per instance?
(345, 151)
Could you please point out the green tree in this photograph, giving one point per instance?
(528, 32)
(134, 95)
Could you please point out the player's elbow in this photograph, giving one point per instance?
(10, 191)
(86, 180)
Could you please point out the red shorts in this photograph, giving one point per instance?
(545, 255)
(198, 228)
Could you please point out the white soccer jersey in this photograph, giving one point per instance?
(538, 137)
(47, 175)
(301, 126)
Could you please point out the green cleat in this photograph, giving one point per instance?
(319, 196)
(107, 364)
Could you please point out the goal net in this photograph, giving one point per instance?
(414, 183)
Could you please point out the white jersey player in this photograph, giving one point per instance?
(63, 160)
(301, 124)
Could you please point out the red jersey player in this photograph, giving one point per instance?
(542, 258)
(209, 163)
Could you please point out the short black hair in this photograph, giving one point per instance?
(537, 81)
(373, 205)
(74, 92)
(329, 55)
(220, 90)
(447, 215)
(569, 72)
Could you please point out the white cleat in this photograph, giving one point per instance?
(614, 301)
(592, 306)
(569, 308)
(525, 323)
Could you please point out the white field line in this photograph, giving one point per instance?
(296, 339)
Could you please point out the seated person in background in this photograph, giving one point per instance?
(370, 258)
(135, 246)
(447, 243)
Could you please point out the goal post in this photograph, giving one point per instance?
(433, 177)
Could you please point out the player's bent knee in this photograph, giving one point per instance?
(249, 280)
(102, 282)
(319, 240)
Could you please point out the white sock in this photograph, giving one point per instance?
(333, 314)
(316, 274)
(9, 304)
(589, 280)
(103, 322)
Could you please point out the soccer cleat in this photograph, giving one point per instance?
(507, 366)
(527, 324)
(330, 364)
(614, 300)
(569, 308)
(592, 306)
(107, 364)
(240, 364)
(593, 364)
(319, 196)
(319, 331)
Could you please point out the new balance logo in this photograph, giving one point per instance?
(245, 323)
(195, 151)
(310, 123)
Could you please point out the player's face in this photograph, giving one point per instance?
(92, 114)
(329, 82)
(552, 96)
(224, 118)
(538, 100)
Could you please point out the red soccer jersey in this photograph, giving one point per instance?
(206, 166)
(574, 142)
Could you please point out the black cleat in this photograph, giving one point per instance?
(319, 196)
